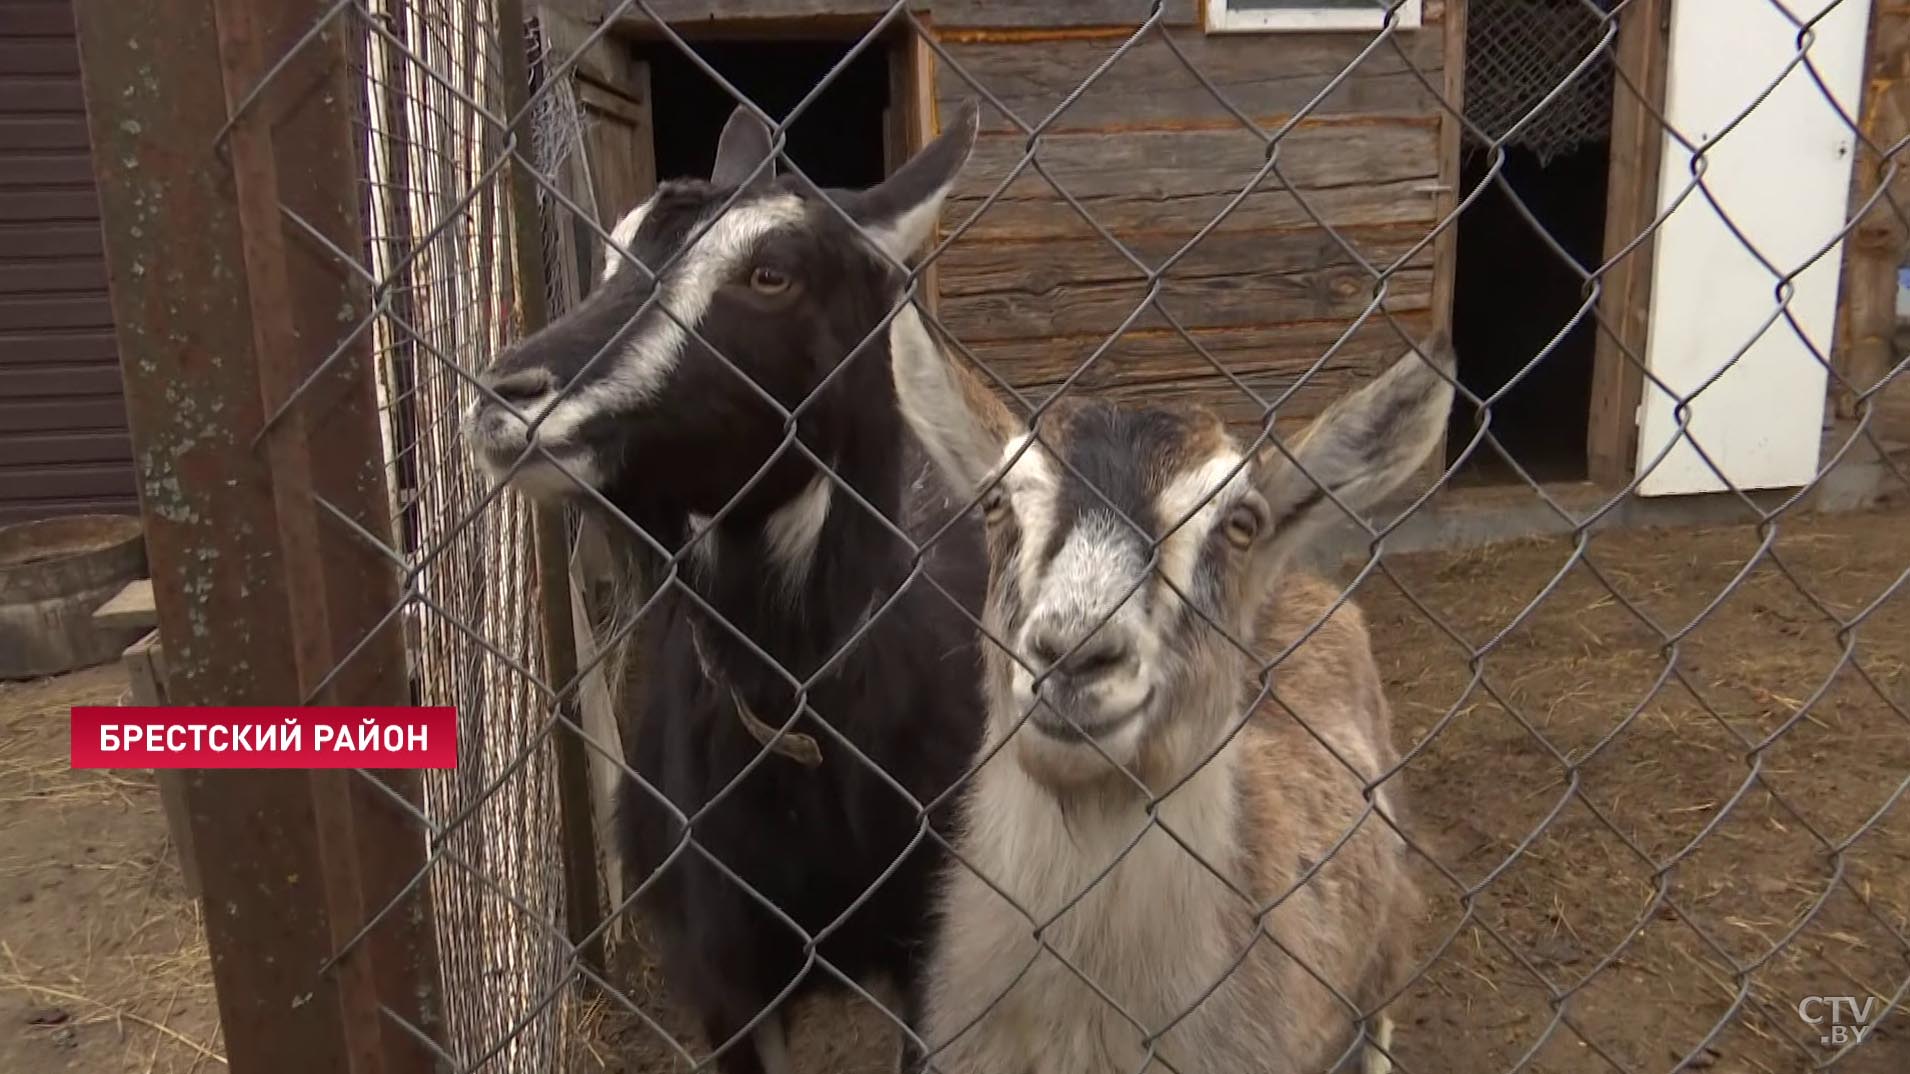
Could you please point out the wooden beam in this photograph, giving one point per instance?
(612, 170)
(915, 124)
(583, 909)
(1631, 207)
(1223, 282)
(260, 593)
(1146, 365)
(745, 20)
(130, 608)
(619, 131)
(1152, 86)
(1048, 14)
(1451, 142)
(1875, 248)
(145, 664)
(735, 15)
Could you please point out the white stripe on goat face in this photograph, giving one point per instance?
(1031, 487)
(1097, 567)
(1093, 583)
(623, 235)
(1200, 495)
(639, 370)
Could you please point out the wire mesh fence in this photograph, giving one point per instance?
(1519, 55)
(1040, 752)
(443, 265)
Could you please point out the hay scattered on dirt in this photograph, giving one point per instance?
(1657, 854)
(1561, 780)
(1633, 866)
(103, 964)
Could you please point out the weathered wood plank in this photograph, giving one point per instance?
(1452, 29)
(1156, 366)
(1451, 141)
(1240, 411)
(1350, 174)
(1218, 161)
(912, 104)
(976, 266)
(682, 13)
(145, 663)
(992, 290)
(1864, 349)
(1637, 144)
(1263, 75)
(1237, 297)
(1035, 14)
(565, 35)
(131, 607)
(1152, 357)
(613, 87)
(1376, 205)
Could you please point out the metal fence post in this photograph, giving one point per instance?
(226, 298)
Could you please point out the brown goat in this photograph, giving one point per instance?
(1164, 866)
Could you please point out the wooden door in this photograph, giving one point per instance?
(611, 166)
(608, 169)
(1778, 185)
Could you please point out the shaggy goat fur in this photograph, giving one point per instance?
(1163, 865)
(808, 674)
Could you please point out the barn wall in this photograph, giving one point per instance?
(681, 14)
(63, 443)
(1153, 157)
(1869, 341)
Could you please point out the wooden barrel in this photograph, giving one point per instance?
(53, 573)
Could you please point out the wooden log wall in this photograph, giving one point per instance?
(1042, 14)
(1149, 152)
(1868, 346)
(1153, 156)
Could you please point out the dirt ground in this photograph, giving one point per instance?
(1627, 867)
(102, 965)
(1560, 778)
(1573, 780)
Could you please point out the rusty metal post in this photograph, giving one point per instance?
(582, 907)
(225, 305)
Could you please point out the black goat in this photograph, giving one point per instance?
(777, 297)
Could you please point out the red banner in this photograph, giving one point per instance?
(134, 737)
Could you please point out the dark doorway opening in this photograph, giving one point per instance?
(1539, 85)
(1515, 293)
(838, 141)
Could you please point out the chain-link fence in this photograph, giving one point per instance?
(448, 388)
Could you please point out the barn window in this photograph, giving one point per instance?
(1247, 16)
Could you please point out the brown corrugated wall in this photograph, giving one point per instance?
(63, 444)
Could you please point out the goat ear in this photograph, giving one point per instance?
(745, 144)
(899, 214)
(1361, 448)
(959, 421)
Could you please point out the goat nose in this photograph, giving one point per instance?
(519, 387)
(1064, 657)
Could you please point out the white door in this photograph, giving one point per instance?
(1782, 178)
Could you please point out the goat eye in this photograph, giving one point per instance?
(767, 281)
(1243, 525)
